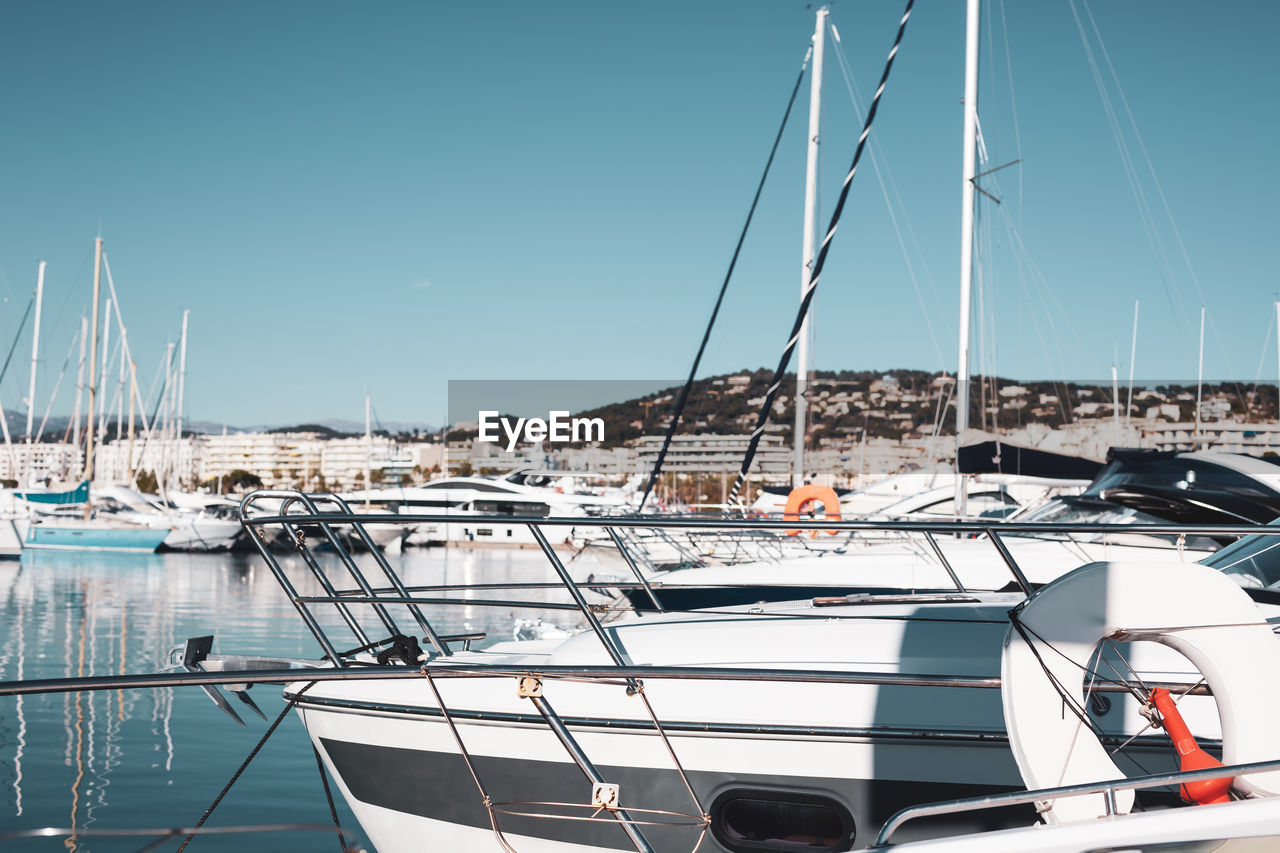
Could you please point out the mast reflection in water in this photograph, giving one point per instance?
(153, 758)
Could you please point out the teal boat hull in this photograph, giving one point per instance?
(140, 540)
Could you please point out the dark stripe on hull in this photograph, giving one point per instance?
(438, 786)
(669, 726)
(679, 597)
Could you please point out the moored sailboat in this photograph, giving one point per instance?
(86, 530)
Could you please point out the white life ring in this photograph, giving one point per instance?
(1136, 601)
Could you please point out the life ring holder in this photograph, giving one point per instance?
(801, 498)
(1197, 611)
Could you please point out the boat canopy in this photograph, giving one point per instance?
(78, 495)
(999, 457)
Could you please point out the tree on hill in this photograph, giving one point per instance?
(327, 432)
(238, 480)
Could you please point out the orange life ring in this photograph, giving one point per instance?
(803, 497)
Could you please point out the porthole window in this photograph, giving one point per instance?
(749, 819)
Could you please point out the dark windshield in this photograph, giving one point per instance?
(1179, 474)
(1253, 562)
(1085, 510)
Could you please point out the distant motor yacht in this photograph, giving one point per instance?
(525, 492)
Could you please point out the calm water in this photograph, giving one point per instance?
(157, 758)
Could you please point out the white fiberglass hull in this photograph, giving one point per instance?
(904, 566)
(202, 533)
(870, 748)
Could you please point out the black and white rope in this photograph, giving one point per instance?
(678, 409)
(818, 264)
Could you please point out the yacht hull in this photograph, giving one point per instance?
(204, 534)
(10, 540)
(864, 743)
(51, 537)
(405, 779)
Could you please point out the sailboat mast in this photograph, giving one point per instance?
(1133, 357)
(133, 397)
(93, 370)
(1115, 402)
(102, 380)
(810, 243)
(182, 370)
(966, 236)
(368, 451)
(35, 350)
(31, 388)
(166, 417)
(1195, 445)
(75, 416)
(120, 386)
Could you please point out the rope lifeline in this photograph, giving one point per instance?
(245, 765)
(328, 795)
(678, 409)
(818, 264)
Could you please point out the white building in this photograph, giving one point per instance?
(35, 463)
(277, 458)
(159, 456)
(715, 454)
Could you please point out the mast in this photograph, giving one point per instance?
(102, 380)
(966, 237)
(810, 242)
(368, 451)
(166, 418)
(1195, 444)
(133, 397)
(1115, 402)
(120, 388)
(35, 350)
(93, 370)
(1133, 356)
(75, 416)
(182, 370)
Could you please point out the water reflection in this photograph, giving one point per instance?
(130, 758)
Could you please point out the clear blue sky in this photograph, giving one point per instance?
(386, 196)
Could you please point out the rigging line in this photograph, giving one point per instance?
(1155, 180)
(816, 275)
(986, 307)
(1013, 102)
(1043, 282)
(847, 74)
(85, 260)
(678, 409)
(13, 346)
(1078, 709)
(239, 772)
(1131, 174)
(1068, 701)
(1231, 371)
(1146, 691)
(1142, 146)
(1266, 346)
(54, 396)
(148, 432)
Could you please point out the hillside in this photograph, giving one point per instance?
(908, 403)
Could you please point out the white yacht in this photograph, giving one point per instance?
(207, 527)
(1135, 488)
(790, 726)
(525, 492)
